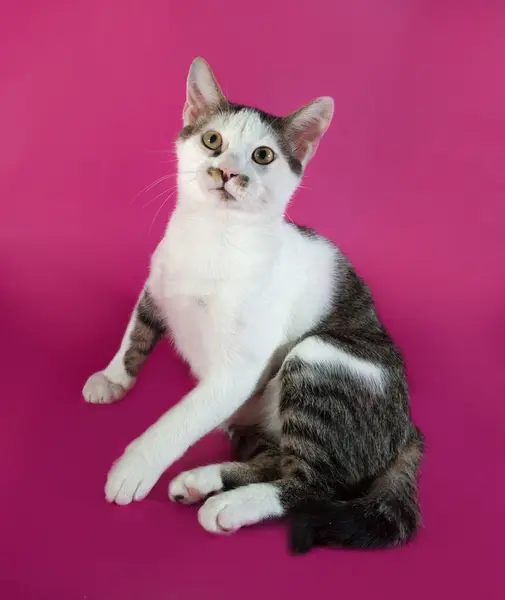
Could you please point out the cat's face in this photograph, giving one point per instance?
(242, 159)
(234, 159)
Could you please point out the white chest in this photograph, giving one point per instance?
(204, 290)
(226, 290)
(187, 303)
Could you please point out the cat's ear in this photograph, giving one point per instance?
(202, 91)
(305, 127)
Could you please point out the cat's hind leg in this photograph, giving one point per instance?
(260, 462)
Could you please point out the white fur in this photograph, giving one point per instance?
(234, 282)
(101, 390)
(227, 512)
(314, 350)
(133, 476)
(279, 287)
(195, 485)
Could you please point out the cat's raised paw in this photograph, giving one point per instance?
(99, 389)
(194, 486)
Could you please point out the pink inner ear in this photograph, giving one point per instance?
(195, 104)
(306, 138)
(195, 96)
(189, 113)
(312, 131)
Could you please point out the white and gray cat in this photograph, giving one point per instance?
(284, 340)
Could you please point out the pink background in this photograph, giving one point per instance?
(410, 181)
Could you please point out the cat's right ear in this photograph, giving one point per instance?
(202, 91)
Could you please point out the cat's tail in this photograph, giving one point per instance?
(387, 516)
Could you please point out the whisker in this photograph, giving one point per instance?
(150, 186)
(155, 197)
(159, 209)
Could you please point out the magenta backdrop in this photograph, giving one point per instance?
(409, 181)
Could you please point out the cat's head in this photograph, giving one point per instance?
(240, 158)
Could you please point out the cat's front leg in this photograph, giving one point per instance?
(144, 330)
(208, 405)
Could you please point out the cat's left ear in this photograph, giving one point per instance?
(202, 91)
(305, 127)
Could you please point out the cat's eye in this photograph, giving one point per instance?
(263, 155)
(212, 140)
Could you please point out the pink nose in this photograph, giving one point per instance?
(228, 173)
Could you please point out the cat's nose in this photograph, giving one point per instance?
(227, 174)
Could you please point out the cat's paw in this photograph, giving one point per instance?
(194, 486)
(222, 513)
(99, 389)
(131, 477)
(237, 508)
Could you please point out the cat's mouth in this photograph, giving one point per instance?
(225, 194)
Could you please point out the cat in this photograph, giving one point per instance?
(283, 338)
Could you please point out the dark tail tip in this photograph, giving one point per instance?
(301, 534)
(305, 519)
(365, 524)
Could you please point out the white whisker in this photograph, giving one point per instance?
(160, 194)
(159, 209)
(150, 186)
